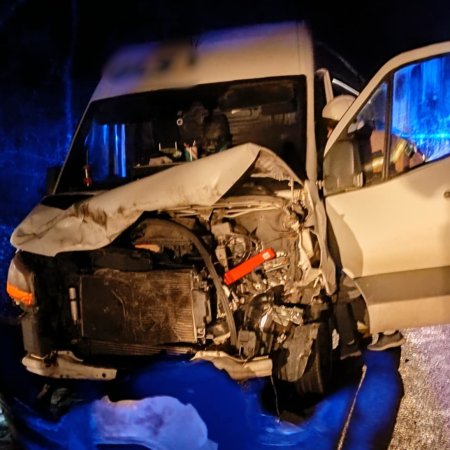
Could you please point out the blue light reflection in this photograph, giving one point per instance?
(130, 411)
(421, 107)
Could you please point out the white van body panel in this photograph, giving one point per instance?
(401, 224)
(246, 53)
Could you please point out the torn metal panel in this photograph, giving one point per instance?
(95, 222)
(66, 365)
(238, 369)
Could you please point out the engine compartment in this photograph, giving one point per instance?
(239, 279)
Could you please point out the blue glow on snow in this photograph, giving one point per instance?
(163, 396)
(377, 403)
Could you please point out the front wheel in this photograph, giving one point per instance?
(306, 359)
(316, 378)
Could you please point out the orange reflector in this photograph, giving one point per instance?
(18, 295)
(155, 248)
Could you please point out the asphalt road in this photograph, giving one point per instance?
(423, 421)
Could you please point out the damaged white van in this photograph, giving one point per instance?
(188, 216)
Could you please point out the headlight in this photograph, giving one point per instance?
(19, 284)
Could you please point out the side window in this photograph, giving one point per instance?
(420, 129)
(370, 135)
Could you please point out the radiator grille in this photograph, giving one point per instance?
(147, 308)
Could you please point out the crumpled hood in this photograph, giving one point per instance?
(98, 220)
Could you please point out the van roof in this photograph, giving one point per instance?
(249, 52)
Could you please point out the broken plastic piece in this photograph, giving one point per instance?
(238, 369)
(66, 365)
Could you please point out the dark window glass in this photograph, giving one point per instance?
(120, 138)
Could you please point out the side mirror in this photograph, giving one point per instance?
(342, 168)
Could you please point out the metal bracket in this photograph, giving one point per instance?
(64, 364)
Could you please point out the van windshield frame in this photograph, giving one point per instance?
(123, 138)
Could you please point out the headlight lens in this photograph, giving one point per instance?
(19, 284)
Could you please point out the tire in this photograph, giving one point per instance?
(304, 363)
(317, 376)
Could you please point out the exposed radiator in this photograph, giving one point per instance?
(143, 309)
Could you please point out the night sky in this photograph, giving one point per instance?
(36, 37)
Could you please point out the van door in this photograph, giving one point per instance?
(387, 187)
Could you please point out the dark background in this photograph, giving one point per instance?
(36, 37)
